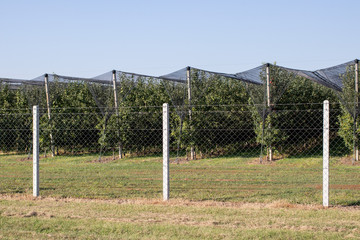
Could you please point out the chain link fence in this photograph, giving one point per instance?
(16, 151)
(289, 131)
(244, 153)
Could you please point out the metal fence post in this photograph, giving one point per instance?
(166, 187)
(326, 154)
(35, 151)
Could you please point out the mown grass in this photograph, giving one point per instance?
(233, 179)
(48, 218)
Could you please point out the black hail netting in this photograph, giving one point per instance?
(279, 87)
(108, 97)
(330, 77)
(263, 88)
(101, 86)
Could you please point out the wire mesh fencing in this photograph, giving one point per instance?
(102, 153)
(223, 153)
(124, 132)
(15, 151)
(258, 153)
(283, 131)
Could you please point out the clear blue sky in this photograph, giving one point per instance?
(88, 38)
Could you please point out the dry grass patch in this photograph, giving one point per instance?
(177, 202)
(191, 219)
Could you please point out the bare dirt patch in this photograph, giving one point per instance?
(179, 161)
(24, 159)
(31, 214)
(103, 160)
(256, 161)
(350, 186)
(348, 160)
(27, 215)
(28, 159)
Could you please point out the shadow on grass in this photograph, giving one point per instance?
(354, 203)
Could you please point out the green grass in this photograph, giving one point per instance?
(230, 179)
(281, 200)
(46, 218)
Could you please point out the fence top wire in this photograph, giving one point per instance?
(105, 108)
(17, 110)
(16, 114)
(335, 105)
(95, 114)
(244, 111)
(244, 105)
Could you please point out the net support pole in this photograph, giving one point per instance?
(326, 154)
(166, 141)
(270, 157)
(188, 77)
(356, 106)
(115, 92)
(46, 78)
(116, 108)
(36, 151)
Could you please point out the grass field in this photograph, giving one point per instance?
(222, 198)
(231, 179)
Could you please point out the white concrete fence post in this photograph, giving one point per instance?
(166, 130)
(326, 154)
(35, 151)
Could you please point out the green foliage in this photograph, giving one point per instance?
(138, 114)
(294, 105)
(209, 96)
(265, 133)
(300, 109)
(73, 118)
(84, 118)
(346, 130)
(14, 114)
(349, 110)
